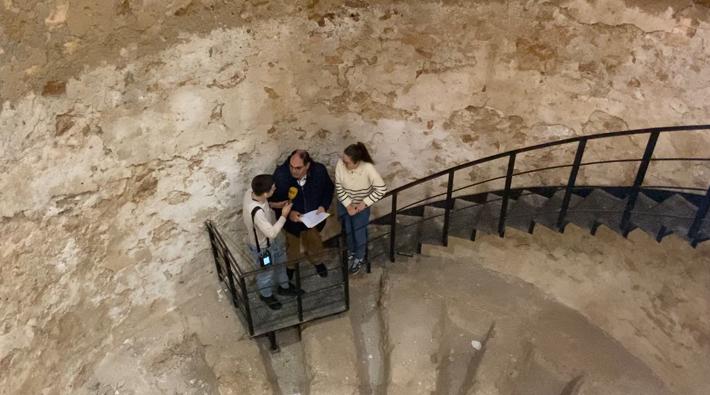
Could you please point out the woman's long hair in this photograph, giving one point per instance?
(357, 153)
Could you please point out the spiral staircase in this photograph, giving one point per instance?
(506, 337)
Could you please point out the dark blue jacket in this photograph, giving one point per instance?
(317, 192)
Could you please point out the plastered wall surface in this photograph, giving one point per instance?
(124, 125)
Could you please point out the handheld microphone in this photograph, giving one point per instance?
(292, 193)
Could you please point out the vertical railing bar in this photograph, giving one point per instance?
(447, 212)
(393, 225)
(299, 298)
(274, 345)
(345, 268)
(247, 308)
(699, 216)
(368, 265)
(640, 175)
(570, 184)
(228, 258)
(506, 195)
(210, 231)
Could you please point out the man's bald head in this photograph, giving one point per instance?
(298, 163)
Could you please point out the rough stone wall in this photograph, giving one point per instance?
(125, 124)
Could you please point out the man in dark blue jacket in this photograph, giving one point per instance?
(315, 192)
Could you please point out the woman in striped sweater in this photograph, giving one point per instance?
(358, 186)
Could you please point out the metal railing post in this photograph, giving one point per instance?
(230, 275)
(506, 195)
(210, 232)
(344, 265)
(698, 221)
(247, 307)
(570, 184)
(274, 345)
(393, 225)
(368, 264)
(640, 175)
(447, 212)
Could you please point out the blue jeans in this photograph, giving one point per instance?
(276, 273)
(355, 228)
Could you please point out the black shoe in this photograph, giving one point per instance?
(322, 270)
(290, 291)
(271, 301)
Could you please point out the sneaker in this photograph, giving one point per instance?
(322, 270)
(271, 301)
(290, 291)
(355, 266)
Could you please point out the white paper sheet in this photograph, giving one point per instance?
(313, 218)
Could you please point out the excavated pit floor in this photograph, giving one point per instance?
(414, 335)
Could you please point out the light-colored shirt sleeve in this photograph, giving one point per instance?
(340, 192)
(268, 230)
(378, 186)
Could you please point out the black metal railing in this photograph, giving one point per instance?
(239, 279)
(581, 142)
(236, 269)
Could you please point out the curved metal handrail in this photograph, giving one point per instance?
(665, 129)
(581, 142)
(541, 169)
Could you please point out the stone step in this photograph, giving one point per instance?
(597, 208)
(642, 216)
(674, 215)
(548, 214)
(521, 215)
(463, 216)
(488, 217)
(409, 232)
(432, 225)
(378, 241)
(678, 215)
(434, 250)
(409, 229)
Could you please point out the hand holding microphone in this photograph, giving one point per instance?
(286, 210)
(294, 216)
(292, 193)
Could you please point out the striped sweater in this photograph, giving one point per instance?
(363, 184)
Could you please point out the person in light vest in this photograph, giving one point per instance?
(311, 188)
(264, 240)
